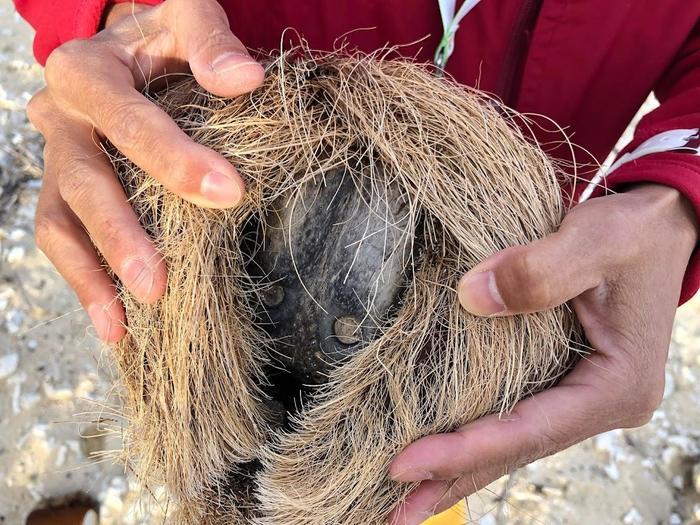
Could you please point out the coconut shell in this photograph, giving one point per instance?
(194, 367)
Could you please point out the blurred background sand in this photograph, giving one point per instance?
(55, 385)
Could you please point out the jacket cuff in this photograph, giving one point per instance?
(79, 19)
(87, 19)
(92, 11)
(677, 170)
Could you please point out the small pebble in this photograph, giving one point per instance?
(16, 381)
(677, 481)
(15, 254)
(17, 234)
(487, 520)
(612, 470)
(671, 461)
(670, 385)
(8, 365)
(687, 376)
(696, 511)
(112, 501)
(85, 388)
(14, 320)
(685, 444)
(27, 401)
(61, 456)
(57, 394)
(633, 517)
(696, 478)
(552, 492)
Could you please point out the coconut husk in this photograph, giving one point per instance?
(192, 366)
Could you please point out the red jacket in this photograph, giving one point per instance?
(586, 65)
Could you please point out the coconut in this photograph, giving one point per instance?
(195, 366)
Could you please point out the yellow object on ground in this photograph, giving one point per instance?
(453, 516)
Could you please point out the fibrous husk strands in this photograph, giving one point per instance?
(192, 365)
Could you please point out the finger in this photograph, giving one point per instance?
(420, 504)
(102, 90)
(87, 183)
(536, 427)
(218, 60)
(64, 242)
(39, 110)
(538, 276)
(434, 497)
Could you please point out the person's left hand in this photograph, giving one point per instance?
(620, 259)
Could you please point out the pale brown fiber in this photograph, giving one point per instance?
(192, 365)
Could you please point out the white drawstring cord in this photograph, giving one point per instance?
(450, 24)
(679, 140)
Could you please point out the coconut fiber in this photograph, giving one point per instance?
(445, 179)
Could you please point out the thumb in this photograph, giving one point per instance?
(219, 61)
(535, 277)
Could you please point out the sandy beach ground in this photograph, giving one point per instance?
(55, 384)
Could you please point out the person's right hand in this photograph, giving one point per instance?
(92, 93)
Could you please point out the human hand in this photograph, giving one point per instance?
(620, 259)
(93, 93)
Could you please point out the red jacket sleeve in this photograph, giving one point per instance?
(63, 20)
(678, 92)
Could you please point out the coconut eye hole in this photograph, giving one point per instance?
(272, 295)
(347, 330)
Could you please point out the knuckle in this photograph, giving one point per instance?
(526, 279)
(124, 124)
(641, 399)
(623, 230)
(638, 417)
(49, 157)
(37, 108)
(50, 227)
(181, 179)
(645, 406)
(65, 58)
(73, 181)
(220, 38)
(620, 218)
(639, 420)
(541, 444)
(110, 232)
(183, 169)
(461, 487)
(535, 446)
(653, 397)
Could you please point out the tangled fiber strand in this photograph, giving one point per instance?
(192, 364)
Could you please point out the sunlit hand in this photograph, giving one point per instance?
(620, 260)
(93, 92)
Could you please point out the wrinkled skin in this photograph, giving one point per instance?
(619, 259)
(92, 92)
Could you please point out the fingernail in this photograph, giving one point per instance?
(479, 294)
(100, 320)
(226, 61)
(220, 188)
(411, 475)
(139, 278)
